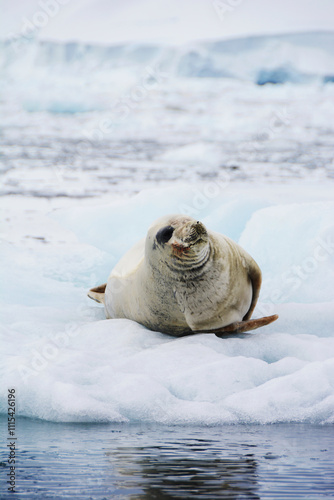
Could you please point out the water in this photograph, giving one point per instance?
(138, 461)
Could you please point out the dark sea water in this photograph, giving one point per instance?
(120, 461)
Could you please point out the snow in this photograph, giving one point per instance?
(98, 142)
(68, 363)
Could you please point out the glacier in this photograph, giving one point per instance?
(47, 73)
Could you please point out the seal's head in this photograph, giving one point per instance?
(178, 240)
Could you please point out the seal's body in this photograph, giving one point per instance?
(184, 279)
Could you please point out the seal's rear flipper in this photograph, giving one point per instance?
(243, 326)
(97, 293)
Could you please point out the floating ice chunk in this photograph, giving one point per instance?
(294, 246)
(70, 364)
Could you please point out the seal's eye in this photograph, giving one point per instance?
(164, 234)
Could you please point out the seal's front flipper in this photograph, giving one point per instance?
(97, 293)
(243, 326)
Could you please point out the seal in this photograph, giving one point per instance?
(184, 279)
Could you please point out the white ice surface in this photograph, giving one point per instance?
(68, 363)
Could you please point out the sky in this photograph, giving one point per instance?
(161, 21)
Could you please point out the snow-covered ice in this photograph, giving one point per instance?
(95, 147)
(70, 364)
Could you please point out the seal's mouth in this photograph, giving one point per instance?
(179, 250)
(184, 244)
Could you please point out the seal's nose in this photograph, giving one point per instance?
(196, 230)
(200, 228)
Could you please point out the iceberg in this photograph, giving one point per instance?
(81, 75)
(69, 364)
